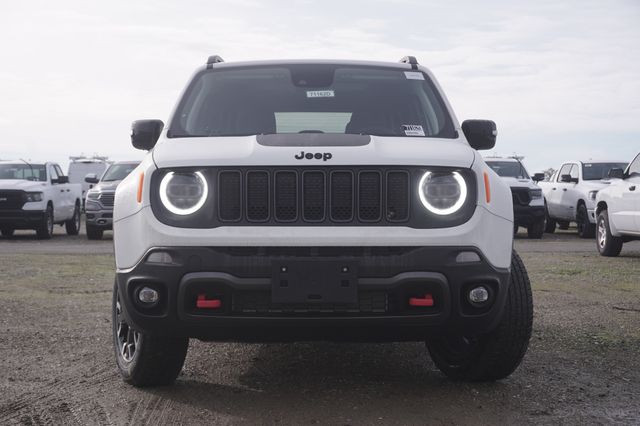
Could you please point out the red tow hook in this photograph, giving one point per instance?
(204, 303)
(426, 300)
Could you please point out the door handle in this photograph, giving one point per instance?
(68, 190)
(632, 188)
(553, 189)
(62, 190)
(564, 189)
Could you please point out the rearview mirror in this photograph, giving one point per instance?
(145, 133)
(481, 134)
(616, 173)
(538, 177)
(91, 178)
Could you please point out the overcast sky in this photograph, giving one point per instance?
(560, 78)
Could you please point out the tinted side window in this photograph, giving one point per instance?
(564, 171)
(634, 167)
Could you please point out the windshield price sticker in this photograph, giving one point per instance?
(413, 130)
(413, 75)
(320, 94)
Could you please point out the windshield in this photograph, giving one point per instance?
(35, 172)
(118, 172)
(513, 169)
(597, 171)
(311, 98)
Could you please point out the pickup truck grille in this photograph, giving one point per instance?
(521, 196)
(107, 199)
(11, 199)
(285, 195)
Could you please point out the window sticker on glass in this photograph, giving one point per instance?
(413, 75)
(320, 94)
(413, 130)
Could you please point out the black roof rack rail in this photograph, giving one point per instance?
(410, 60)
(214, 59)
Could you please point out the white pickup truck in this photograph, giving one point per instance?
(618, 210)
(37, 196)
(570, 194)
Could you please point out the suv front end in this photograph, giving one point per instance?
(279, 235)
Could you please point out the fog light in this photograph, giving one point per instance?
(478, 295)
(467, 257)
(148, 296)
(159, 257)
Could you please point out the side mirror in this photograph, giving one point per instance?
(538, 177)
(91, 178)
(568, 179)
(481, 134)
(61, 179)
(616, 173)
(145, 133)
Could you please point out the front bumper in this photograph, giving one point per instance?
(527, 215)
(241, 278)
(21, 219)
(100, 218)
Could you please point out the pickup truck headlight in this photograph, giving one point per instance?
(535, 194)
(93, 195)
(592, 195)
(183, 193)
(442, 193)
(31, 197)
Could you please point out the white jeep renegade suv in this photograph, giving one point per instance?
(302, 200)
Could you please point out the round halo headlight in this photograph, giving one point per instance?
(442, 193)
(183, 193)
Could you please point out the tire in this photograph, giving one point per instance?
(607, 244)
(94, 233)
(73, 225)
(586, 229)
(563, 225)
(515, 229)
(45, 229)
(536, 229)
(495, 355)
(142, 359)
(549, 224)
(7, 232)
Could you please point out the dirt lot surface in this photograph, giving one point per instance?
(57, 366)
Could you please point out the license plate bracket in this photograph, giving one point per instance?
(314, 281)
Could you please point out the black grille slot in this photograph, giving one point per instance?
(397, 196)
(11, 199)
(107, 199)
(286, 196)
(369, 196)
(257, 196)
(341, 196)
(313, 196)
(521, 196)
(230, 196)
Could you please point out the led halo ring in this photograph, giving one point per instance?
(449, 210)
(172, 208)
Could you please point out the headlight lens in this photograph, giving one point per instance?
(535, 194)
(183, 193)
(93, 195)
(33, 197)
(442, 193)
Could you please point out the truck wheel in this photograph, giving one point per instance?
(7, 232)
(73, 225)
(585, 228)
(536, 229)
(495, 355)
(608, 245)
(45, 230)
(94, 233)
(549, 224)
(142, 359)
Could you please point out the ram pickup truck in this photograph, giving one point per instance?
(37, 196)
(618, 210)
(101, 196)
(317, 200)
(570, 194)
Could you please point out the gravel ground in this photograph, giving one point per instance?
(57, 367)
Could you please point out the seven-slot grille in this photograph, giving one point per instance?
(521, 196)
(107, 198)
(313, 196)
(12, 199)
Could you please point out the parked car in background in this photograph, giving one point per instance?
(37, 196)
(81, 166)
(528, 204)
(618, 210)
(570, 194)
(100, 198)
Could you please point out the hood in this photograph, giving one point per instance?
(21, 185)
(515, 182)
(596, 184)
(106, 186)
(286, 151)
